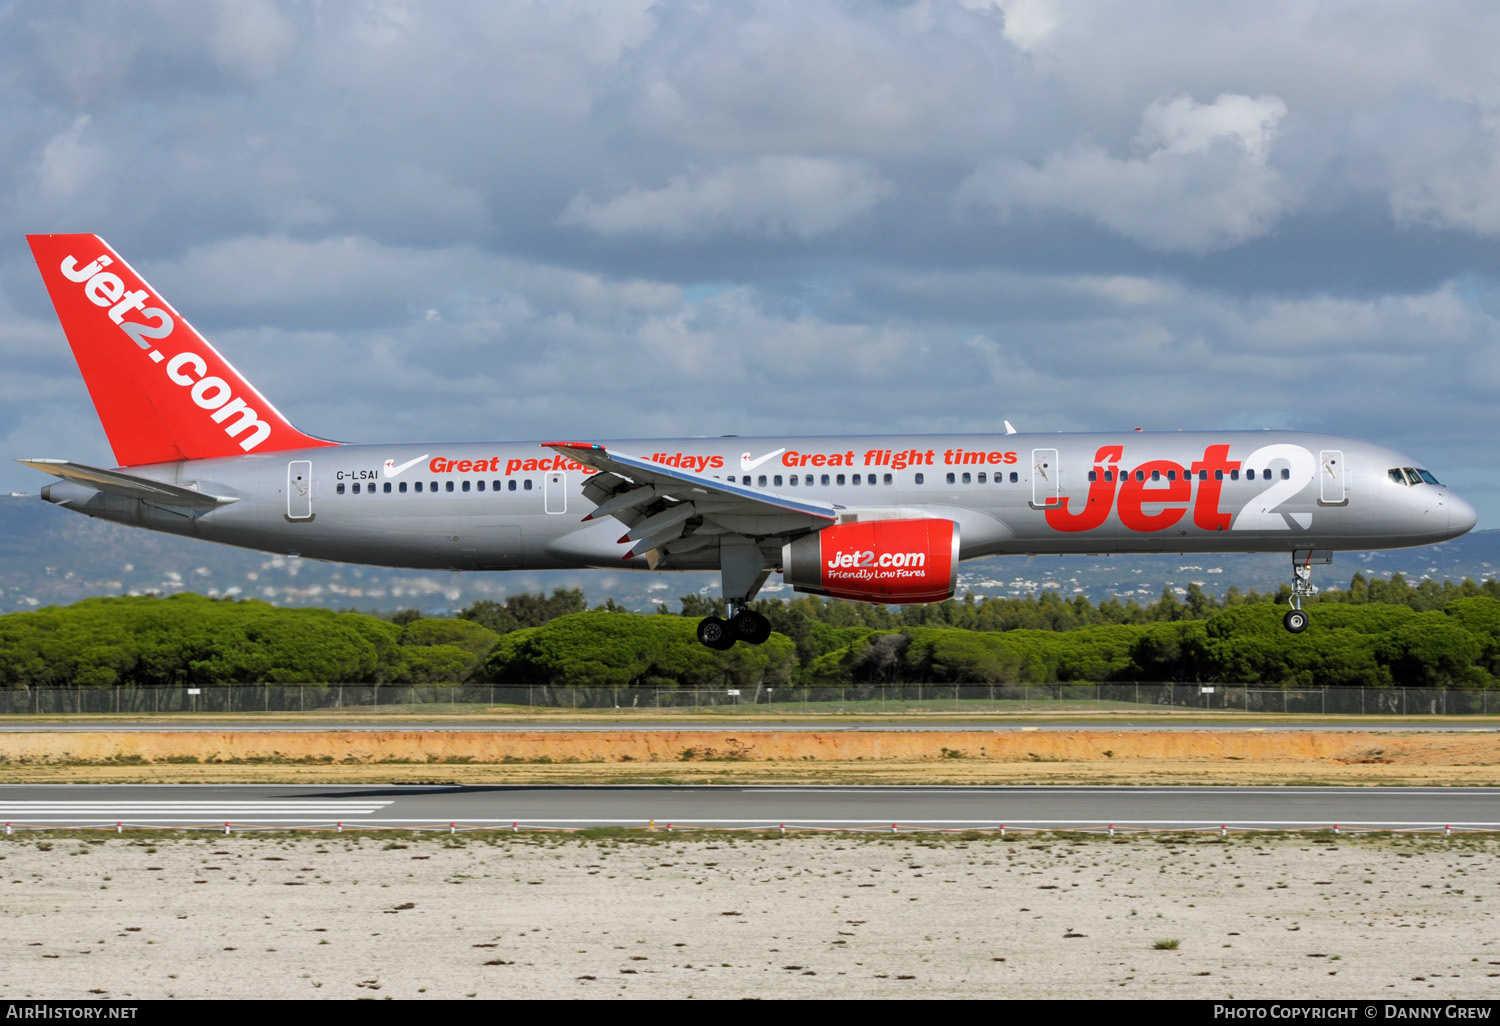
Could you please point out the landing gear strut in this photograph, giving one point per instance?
(1295, 620)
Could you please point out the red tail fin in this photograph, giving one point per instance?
(162, 392)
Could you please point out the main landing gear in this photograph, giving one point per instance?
(744, 571)
(1295, 620)
(745, 625)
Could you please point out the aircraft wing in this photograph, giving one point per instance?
(132, 487)
(668, 509)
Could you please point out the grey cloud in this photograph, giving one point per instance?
(774, 195)
(1204, 180)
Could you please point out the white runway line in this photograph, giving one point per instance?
(218, 810)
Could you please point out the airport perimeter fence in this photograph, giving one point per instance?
(850, 700)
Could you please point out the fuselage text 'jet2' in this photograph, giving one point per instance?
(881, 518)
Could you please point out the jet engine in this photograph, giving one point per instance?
(897, 561)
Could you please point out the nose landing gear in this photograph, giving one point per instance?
(1295, 620)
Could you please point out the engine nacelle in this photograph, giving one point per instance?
(897, 561)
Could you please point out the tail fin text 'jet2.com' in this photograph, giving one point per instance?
(881, 518)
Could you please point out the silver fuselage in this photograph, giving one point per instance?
(518, 505)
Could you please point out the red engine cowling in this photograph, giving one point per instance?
(896, 561)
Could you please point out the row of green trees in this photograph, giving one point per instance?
(189, 639)
(556, 641)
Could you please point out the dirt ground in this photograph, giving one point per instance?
(826, 916)
(1100, 756)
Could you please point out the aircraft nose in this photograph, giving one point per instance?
(1461, 516)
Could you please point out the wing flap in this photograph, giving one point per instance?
(668, 510)
(686, 486)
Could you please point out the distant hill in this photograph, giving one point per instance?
(49, 556)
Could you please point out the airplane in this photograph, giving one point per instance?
(880, 518)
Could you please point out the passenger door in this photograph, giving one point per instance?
(1331, 478)
(555, 492)
(1044, 478)
(299, 490)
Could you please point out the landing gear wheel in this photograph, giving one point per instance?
(750, 626)
(714, 632)
(1295, 621)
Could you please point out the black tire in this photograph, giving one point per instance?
(750, 627)
(714, 632)
(1295, 621)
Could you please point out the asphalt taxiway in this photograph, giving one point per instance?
(767, 807)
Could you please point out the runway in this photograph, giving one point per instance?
(763, 807)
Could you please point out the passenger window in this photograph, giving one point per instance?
(1109, 475)
(889, 479)
(1014, 477)
(951, 478)
(825, 479)
(432, 486)
(1171, 475)
(794, 480)
(1156, 475)
(1140, 475)
(840, 479)
(419, 486)
(449, 485)
(1202, 475)
(401, 488)
(967, 478)
(776, 480)
(856, 479)
(761, 481)
(386, 488)
(1286, 474)
(1218, 475)
(510, 485)
(495, 486)
(1249, 475)
(918, 478)
(356, 488)
(528, 484)
(466, 486)
(1234, 475)
(339, 488)
(1093, 476)
(983, 479)
(479, 485)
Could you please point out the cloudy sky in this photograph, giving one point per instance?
(412, 221)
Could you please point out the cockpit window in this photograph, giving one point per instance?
(1427, 476)
(1395, 475)
(1411, 476)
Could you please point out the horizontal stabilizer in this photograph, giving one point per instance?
(130, 486)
